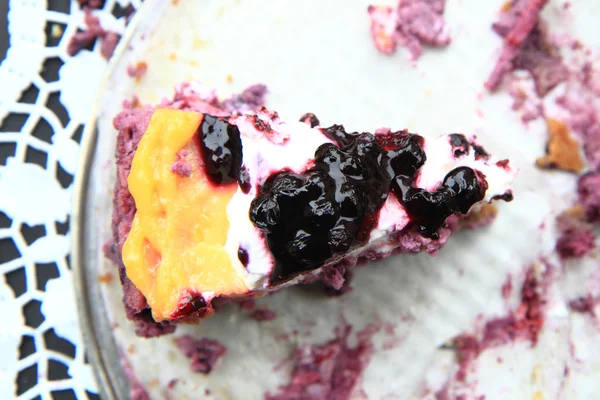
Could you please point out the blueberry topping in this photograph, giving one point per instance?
(259, 124)
(310, 119)
(458, 192)
(221, 149)
(323, 213)
(244, 180)
(243, 256)
(480, 152)
(338, 134)
(460, 145)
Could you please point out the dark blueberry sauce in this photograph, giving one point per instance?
(243, 256)
(310, 119)
(259, 124)
(331, 208)
(480, 152)
(460, 189)
(221, 149)
(460, 145)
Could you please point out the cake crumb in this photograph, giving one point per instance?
(588, 190)
(131, 349)
(584, 305)
(563, 150)
(94, 30)
(229, 78)
(525, 47)
(172, 56)
(575, 243)
(105, 278)
(109, 43)
(173, 383)
(577, 237)
(137, 70)
(506, 6)
(412, 24)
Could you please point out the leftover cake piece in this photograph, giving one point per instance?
(412, 24)
(214, 205)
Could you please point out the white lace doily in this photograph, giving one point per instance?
(45, 99)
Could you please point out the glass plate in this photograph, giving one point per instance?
(317, 56)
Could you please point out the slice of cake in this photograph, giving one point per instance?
(214, 204)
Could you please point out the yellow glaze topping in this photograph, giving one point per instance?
(177, 238)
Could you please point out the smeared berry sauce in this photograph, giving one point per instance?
(460, 145)
(331, 208)
(310, 119)
(221, 148)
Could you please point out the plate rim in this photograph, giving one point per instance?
(98, 356)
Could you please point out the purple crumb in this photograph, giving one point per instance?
(541, 58)
(83, 39)
(93, 31)
(589, 195)
(204, 353)
(584, 305)
(182, 169)
(109, 43)
(580, 101)
(522, 50)
(252, 98)
(575, 243)
(333, 277)
(79, 41)
(412, 24)
(145, 326)
(263, 314)
(137, 70)
(334, 288)
(329, 371)
(576, 235)
(173, 383)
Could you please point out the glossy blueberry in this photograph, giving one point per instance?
(221, 149)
